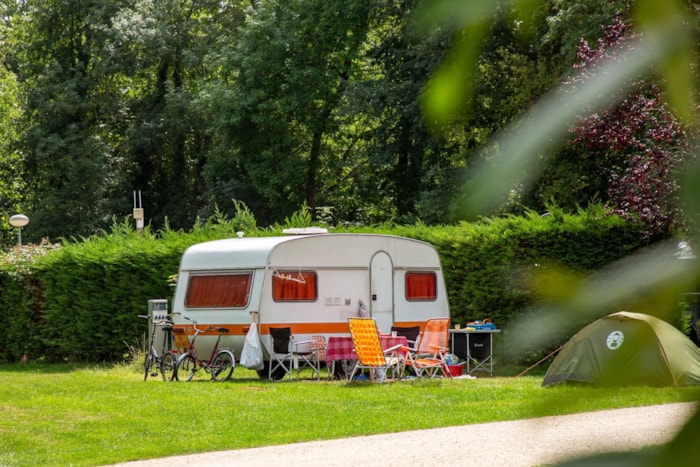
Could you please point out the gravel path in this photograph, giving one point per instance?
(522, 443)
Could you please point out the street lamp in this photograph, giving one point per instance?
(19, 221)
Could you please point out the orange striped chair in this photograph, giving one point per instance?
(429, 358)
(370, 355)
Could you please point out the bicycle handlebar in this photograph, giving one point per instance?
(208, 328)
(194, 325)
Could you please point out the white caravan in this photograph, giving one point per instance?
(311, 283)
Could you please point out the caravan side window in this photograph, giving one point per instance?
(294, 286)
(218, 291)
(421, 286)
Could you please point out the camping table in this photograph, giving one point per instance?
(341, 348)
(475, 346)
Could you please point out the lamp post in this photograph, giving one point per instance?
(19, 221)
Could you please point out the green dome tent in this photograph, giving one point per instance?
(627, 349)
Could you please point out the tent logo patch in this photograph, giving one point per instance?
(614, 340)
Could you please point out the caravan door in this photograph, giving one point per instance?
(382, 291)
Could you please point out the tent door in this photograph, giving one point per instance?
(382, 291)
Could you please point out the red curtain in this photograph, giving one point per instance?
(223, 290)
(293, 286)
(421, 286)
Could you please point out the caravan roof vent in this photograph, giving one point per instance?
(305, 231)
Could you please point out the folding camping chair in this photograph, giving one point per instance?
(318, 347)
(283, 358)
(313, 358)
(368, 347)
(429, 357)
(286, 357)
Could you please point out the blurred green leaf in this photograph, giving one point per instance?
(690, 189)
(455, 14)
(450, 88)
(670, 18)
(657, 275)
(682, 450)
(448, 93)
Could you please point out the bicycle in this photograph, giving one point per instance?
(165, 362)
(220, 365)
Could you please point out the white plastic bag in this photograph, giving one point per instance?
(252, 354)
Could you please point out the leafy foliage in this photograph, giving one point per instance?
(641, 143)
(276, 103)
(10, 157)
(69, 164)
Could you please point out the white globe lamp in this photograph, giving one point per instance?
(19, 221)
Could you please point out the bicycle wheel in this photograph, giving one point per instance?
(186, 367)
(222, 366)
(167, 366)
(147, 365)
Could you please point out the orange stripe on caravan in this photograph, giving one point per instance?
(308, 328)
(297, 328)
(242, 329)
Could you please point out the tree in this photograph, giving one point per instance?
(70, 168)
(408, 165)
(516, 54)
(11, 172)
(288, 74)
(278, 104)
(639, 142)
(160, 49)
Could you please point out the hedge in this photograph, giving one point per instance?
(79, 302)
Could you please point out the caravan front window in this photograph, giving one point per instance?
(421, 286)
(294, 286)
(219, 290)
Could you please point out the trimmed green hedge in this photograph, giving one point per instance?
(490, 267)
(79, 302)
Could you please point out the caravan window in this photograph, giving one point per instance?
(218, 291)
(421, 286)
(294, 286)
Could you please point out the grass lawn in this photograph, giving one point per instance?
(62, 415)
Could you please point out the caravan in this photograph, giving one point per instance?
(310, 282)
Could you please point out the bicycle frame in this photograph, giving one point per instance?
(163, 362)
(220, 363)
(193, 350)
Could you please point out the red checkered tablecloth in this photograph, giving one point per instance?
(341, 348)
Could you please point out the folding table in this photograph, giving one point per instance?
(475, 346)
